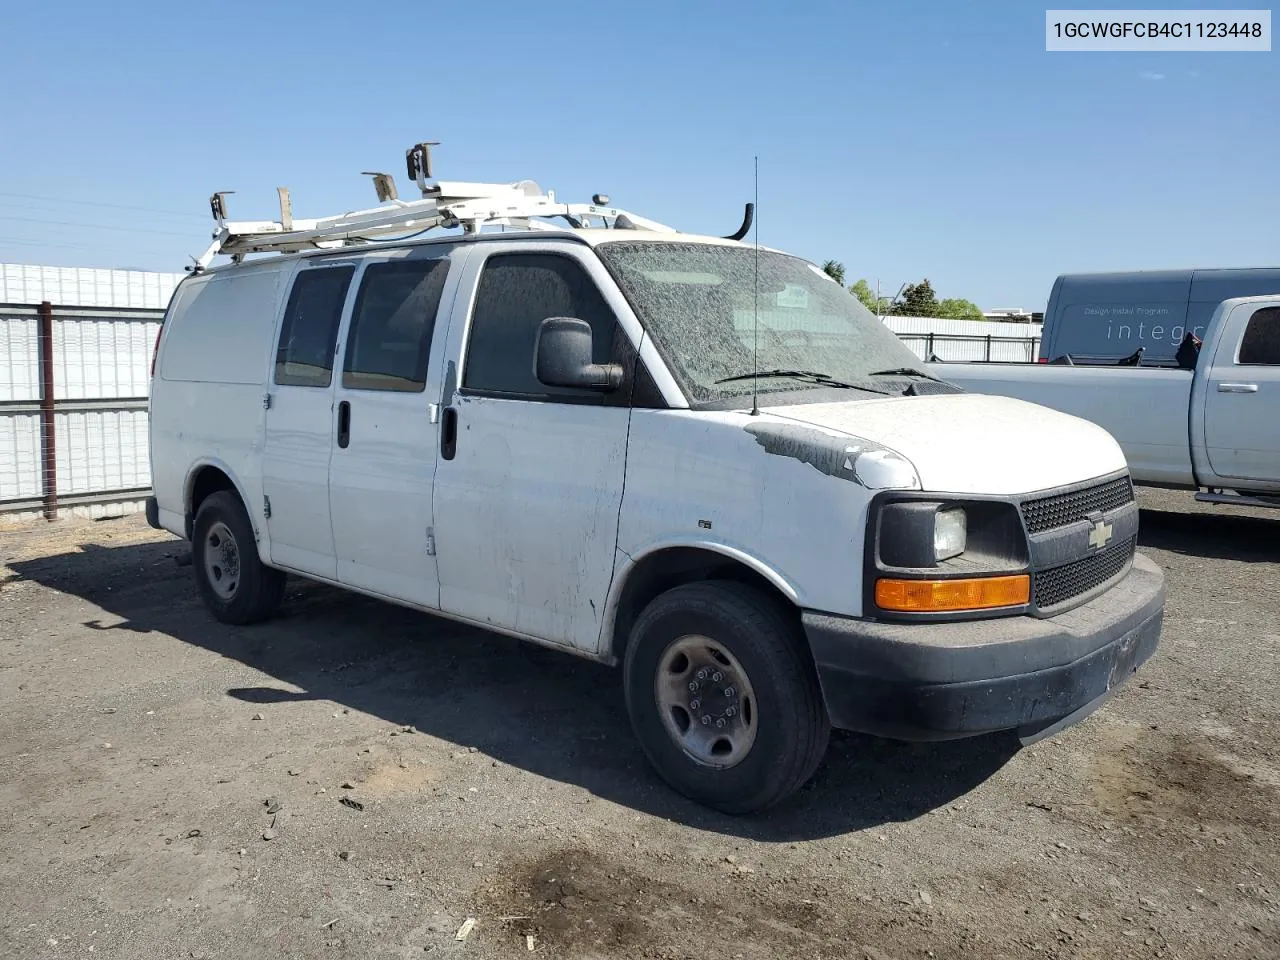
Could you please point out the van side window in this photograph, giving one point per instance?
(308, 336)
(391, 326)
(1261, 343)
(517, 291)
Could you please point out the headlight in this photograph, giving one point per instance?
(931, 556)
(950, 532)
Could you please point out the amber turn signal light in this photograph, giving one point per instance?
(930, 596)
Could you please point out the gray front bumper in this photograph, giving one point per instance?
(939, 681)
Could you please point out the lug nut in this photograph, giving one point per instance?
(706, 721)
(720, 722)
(693, 686)
(717, 677)
(731, 712)
(695, 703)
(701, 674)
(729, 691)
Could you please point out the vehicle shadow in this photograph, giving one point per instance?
(546, 712)
(1221, 536)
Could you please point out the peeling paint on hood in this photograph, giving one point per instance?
(970, 443)
(836, 455)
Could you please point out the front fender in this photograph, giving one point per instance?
(627, 563)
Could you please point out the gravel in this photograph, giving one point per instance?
(1150, 830)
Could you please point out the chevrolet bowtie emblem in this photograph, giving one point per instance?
(1100, 534)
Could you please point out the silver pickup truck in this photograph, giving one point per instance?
(1214, 428)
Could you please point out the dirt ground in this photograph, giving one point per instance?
(354, 780)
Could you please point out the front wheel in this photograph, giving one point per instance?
(235, 584)
(723, 696)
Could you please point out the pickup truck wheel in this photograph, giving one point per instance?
(723, 696)
(234, 583)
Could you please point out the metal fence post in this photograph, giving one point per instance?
(48, 448)
(988, 339)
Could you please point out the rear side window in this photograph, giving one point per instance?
(304, 357)
(1261, 343)
(517, 291)
(395, 314)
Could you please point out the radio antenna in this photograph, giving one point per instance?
(755, 332)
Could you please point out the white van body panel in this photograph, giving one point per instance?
(297, 444)
(380, 484)
(700, 479)
(1023, 447)
(206, 405)
(526, 513)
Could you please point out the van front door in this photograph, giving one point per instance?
(384, 460)
(529, 482)
(299, 433)
(1242, 396)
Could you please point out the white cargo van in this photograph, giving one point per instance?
(700, 460)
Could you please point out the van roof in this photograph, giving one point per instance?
(590, 236)
(1178, 274)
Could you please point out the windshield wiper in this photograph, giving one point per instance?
(901, 372)
(812, 375)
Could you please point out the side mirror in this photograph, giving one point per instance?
(562, 357)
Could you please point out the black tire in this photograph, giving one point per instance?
(257, 589)
(791, 724)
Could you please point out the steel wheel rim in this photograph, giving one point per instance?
(222, 560)
(706, 701)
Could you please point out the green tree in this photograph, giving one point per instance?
(918, 300)
(835, 270)
(958, 309)
(862, 290)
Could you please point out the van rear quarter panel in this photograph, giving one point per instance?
(699, 479)
(215, 353)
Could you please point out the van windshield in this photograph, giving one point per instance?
(698, 302)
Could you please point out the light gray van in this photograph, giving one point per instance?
(1101, 317)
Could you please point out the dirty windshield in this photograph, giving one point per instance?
(700, 303)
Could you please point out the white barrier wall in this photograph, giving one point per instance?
(22, 283)
(104, 328)
(968, 340)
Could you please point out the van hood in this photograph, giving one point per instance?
(971, 443)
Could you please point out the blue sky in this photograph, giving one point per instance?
(904, 139)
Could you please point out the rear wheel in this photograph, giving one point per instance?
(723, 696)
(235, 584)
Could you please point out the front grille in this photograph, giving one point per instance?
(1061, 509)
(1060, 584)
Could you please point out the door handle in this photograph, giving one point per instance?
(344, 424)
(449, 433)
(1237, 388)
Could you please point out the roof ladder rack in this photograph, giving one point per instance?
(446, 204)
